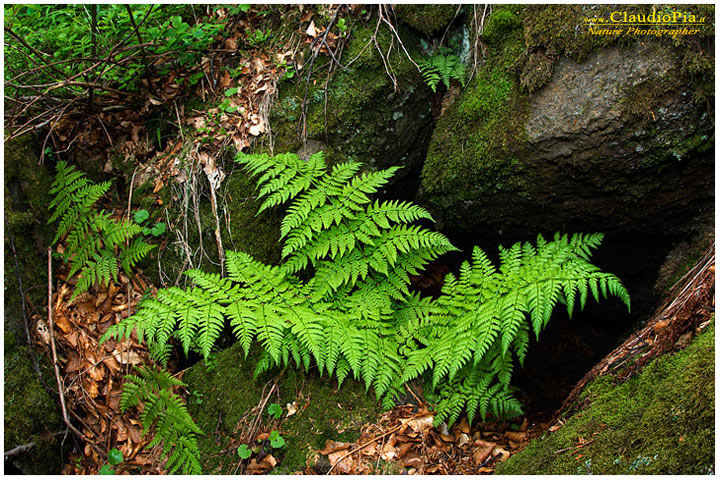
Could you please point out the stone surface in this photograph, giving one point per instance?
(613, 144)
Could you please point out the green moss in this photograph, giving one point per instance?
(220, 396)
(661, 421)
(31, 414)
(501, 22)
(426, 18)
(357, 113)
(473, 143)
(256, 235)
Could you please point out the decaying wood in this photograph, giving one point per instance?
(690, 302)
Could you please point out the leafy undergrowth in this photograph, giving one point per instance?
(659, 422)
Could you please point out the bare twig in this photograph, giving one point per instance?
(24, 448)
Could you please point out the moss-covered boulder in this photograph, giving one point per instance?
(223, 394)
(561, 130)
(31, 414)
(426, 18)
(361, 113)
(661, 421)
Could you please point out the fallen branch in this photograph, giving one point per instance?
(24, 448)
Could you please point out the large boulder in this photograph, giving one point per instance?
(620, 142)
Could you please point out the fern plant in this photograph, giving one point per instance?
(339, 299)
(96, 245)
(166, 412)
(442, 67)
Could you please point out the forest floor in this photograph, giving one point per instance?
(402, 440)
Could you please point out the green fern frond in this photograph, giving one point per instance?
(442, 67)
(164, 411)
(340, 299)
(94, 242)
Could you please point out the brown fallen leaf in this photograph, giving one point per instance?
(413, 461)
(73, 364)
(463, 426)
(516, 436)
(420, 424)
(501, 451)
(370, 450)
(339, 460)
(332, 446)
(447, 438)
(63, 323)
(403, 449)
(482, 452)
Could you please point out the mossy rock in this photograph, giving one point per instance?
(362, 114)
(472, 146)
(660, 422)
(31, 414)
(224, 390)
(427, 19)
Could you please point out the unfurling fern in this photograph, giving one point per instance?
(442, 67)
(94, 242)
(340, 298)
(166, 412)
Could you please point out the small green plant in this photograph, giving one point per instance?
(342, 26)
(442, 67)
(96, 245)
(115, 457)
(106, 470)
(276, 441)
(244, 452)
(140, 216)
(226, 107)
(166, 412)
(256, 38)
(340, 297)
(275, 410)
(157, 229)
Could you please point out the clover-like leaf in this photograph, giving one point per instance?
(275, 411)
(141, 216)
(158, 229)
(115, 456)
(244, 452)
(278, 442)
(106, 470)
